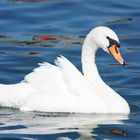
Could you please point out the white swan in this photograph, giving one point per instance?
(62, 88)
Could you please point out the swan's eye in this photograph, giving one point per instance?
(108, 37)
(113, 42)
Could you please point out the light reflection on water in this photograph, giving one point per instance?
(24, 123)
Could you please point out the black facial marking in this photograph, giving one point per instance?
(113, 42)
(116, 50)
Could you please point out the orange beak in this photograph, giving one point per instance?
(114, 50)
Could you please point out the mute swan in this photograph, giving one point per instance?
(62, 88)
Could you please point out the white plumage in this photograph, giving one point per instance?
(62, 88)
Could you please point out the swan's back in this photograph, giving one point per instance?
(60, 88)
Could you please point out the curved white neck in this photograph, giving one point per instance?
(89, 67)
(91, 74)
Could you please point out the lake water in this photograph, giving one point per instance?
(64, 23)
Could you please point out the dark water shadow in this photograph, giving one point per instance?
(27, 1)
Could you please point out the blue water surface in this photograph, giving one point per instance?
(65, 23)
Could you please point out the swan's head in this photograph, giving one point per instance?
(107, 39)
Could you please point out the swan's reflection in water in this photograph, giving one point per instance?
(42, 123)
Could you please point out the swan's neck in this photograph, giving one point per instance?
(89, 67)
(91, 74)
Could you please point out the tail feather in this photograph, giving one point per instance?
(14, 95)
